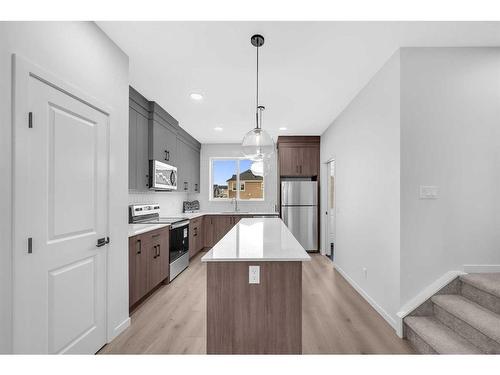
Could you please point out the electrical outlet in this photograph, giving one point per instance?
(254, 274)
(365, 272)
(429, 192)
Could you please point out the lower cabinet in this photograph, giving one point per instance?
(138, 268)
(216, 227)
(196, 236)
(158, 257)
(148, 262)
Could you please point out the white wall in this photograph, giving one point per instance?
(234, 150)
(450, 137)
(364, 140)
(82, 55)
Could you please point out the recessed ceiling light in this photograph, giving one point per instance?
(283, 128)
(196, 96)
(218, 129)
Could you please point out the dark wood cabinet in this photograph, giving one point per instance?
(299, 156)
(138, 268)
(216, 226)
(223, 223)
(158, 256)
(288, 161)
(208, 231)
(196, 236)
(148, 263)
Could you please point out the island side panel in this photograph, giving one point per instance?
(263, 318)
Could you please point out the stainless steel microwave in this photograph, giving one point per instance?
(162, 176)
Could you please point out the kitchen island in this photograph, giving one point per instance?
(254, 290)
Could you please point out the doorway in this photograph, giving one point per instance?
(330, 238)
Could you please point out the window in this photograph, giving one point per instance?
(227, 174)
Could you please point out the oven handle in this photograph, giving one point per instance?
(179, 224)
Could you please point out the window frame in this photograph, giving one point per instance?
(237, 183)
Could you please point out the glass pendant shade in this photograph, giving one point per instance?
(257, 145)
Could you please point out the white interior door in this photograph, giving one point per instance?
(331, 208)
(61, 187)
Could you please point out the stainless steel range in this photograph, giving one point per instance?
(178, 238)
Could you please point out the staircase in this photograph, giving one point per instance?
(462, 318)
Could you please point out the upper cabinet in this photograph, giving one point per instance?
(138, 171)
(188, 166)
(155, 135)
(299, 156)
(162, 135)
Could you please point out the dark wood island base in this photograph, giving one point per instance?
(264, 318)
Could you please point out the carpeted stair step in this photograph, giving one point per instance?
(429, 336)
(477, 324)
(483, 289)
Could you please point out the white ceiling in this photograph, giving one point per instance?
(310, 71)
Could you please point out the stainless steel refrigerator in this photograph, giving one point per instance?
(299, 211)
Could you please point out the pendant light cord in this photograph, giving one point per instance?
(257, 96)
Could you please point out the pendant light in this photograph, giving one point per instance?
(257, 143)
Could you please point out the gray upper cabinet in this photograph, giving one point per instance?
(188, 167)
(138, 141)
(162, 135)
(155, 135)
(163, 141)
(196, 171)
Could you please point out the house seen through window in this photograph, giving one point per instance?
(229, 174)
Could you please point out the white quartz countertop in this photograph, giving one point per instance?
(135, 229)
(194, 215)
(258, 239)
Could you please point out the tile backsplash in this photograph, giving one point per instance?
(170, 202)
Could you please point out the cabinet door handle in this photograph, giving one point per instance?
(147, 180)
(166, 155)
(138, 245)
(195, 187)
(185, 185)
(158, 248)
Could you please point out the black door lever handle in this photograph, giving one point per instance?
(102, 241)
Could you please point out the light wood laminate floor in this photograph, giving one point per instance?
(336, 319)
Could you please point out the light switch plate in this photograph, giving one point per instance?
(254, 274)
(429, 192)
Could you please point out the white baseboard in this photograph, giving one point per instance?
(120, 328)
(423, 296)
(481, 268)
(369, 299)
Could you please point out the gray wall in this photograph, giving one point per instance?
(450, 137)
(81, 54)
(364, 140)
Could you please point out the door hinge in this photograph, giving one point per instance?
(30, 120)
(30, 245)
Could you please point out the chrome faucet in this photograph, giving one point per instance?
(235, 202)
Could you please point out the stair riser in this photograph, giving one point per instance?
(416, 342)
(481, 297)
(468, 332)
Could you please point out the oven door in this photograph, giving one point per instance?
(162, 176)
(179, 242)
